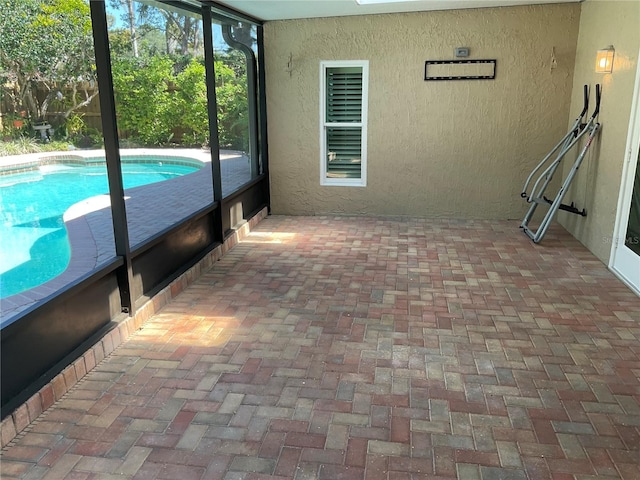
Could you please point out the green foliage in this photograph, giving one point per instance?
(22, 145)
(155, 106)
(190, 102)
(19, 146)
(75, 125)
(150, 41)
(119, 43)
(233, 106)
(161, 95)
(76, 131)
(11, 130)
(49, 45)
(143, 102)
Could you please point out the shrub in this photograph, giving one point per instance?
(190, 104)
(143, 102)
(233, 107)
(22, 145)
(19, 146)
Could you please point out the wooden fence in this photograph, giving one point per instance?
(90, 113)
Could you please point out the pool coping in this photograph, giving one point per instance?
(91, 248)
(15, 164)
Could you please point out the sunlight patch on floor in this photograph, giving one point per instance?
(270, 237)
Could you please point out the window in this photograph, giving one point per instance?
(236, 80)
(343, 121)
(161, 103)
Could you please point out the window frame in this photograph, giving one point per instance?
(349, 182)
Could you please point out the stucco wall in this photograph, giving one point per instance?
(449, 148)
(598, 181)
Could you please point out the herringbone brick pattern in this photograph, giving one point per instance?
(361, 348)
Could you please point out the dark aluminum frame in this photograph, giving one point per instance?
(46, 338)
(428, 77)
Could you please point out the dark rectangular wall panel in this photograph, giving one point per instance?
(32, 346)
(244, 203)
(154, 267)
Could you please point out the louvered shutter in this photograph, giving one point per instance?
(343, 122)
(344, 94)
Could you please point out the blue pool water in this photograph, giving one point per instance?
(34, 247)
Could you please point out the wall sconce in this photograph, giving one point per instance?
(604, 60)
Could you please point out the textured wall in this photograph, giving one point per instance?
(451, 148)
(598, 181)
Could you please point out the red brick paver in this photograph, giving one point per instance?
(365, 348)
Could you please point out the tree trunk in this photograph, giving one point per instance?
(167, 35)
(184, 35)
(132, 27)
(196, 38)
(88, 97)
(26, 96)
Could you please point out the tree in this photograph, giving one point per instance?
(50, 48)
(182, 32)
(132, 24)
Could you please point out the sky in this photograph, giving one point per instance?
(119, 15)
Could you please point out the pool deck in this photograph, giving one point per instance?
(89, 223)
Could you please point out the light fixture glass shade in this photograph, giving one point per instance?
(604, 60)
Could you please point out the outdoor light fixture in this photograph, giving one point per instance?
(604, 60)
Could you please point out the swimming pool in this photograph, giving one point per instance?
(33, 240)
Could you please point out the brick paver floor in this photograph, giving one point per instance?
(365, 348)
